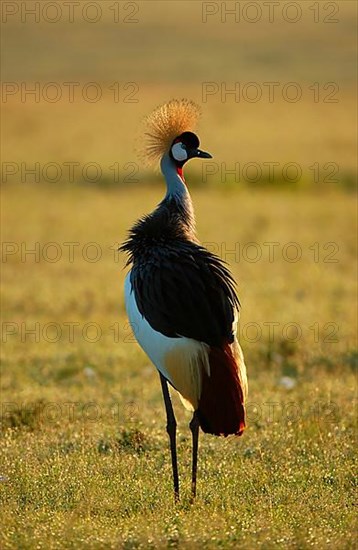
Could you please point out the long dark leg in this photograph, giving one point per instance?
(194, 427)
(171, 429)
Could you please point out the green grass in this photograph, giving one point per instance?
(84, 451)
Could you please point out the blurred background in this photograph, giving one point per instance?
(277, 87)
(139, 54)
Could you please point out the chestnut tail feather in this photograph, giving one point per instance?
(221, 409)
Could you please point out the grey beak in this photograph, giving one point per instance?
(202, 154)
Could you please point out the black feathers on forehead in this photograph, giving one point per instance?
(189, 139)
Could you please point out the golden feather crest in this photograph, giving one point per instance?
(163, 125)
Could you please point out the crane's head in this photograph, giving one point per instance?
(168, 130)
(186, 147)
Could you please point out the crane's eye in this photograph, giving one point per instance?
(183, 146)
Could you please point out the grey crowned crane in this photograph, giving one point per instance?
(180, 298)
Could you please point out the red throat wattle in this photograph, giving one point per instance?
(180, 172)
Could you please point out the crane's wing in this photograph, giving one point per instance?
(184, 290)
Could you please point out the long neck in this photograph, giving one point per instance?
(173, 218)
(177, 192)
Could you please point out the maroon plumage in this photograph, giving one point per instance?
(221, 407)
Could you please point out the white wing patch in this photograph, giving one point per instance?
(180, 360)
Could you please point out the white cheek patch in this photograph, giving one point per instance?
(179, 153)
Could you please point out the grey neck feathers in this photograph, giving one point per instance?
(178, 192)
(173, 218)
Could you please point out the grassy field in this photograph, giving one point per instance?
(84, 449)
(84, 452)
